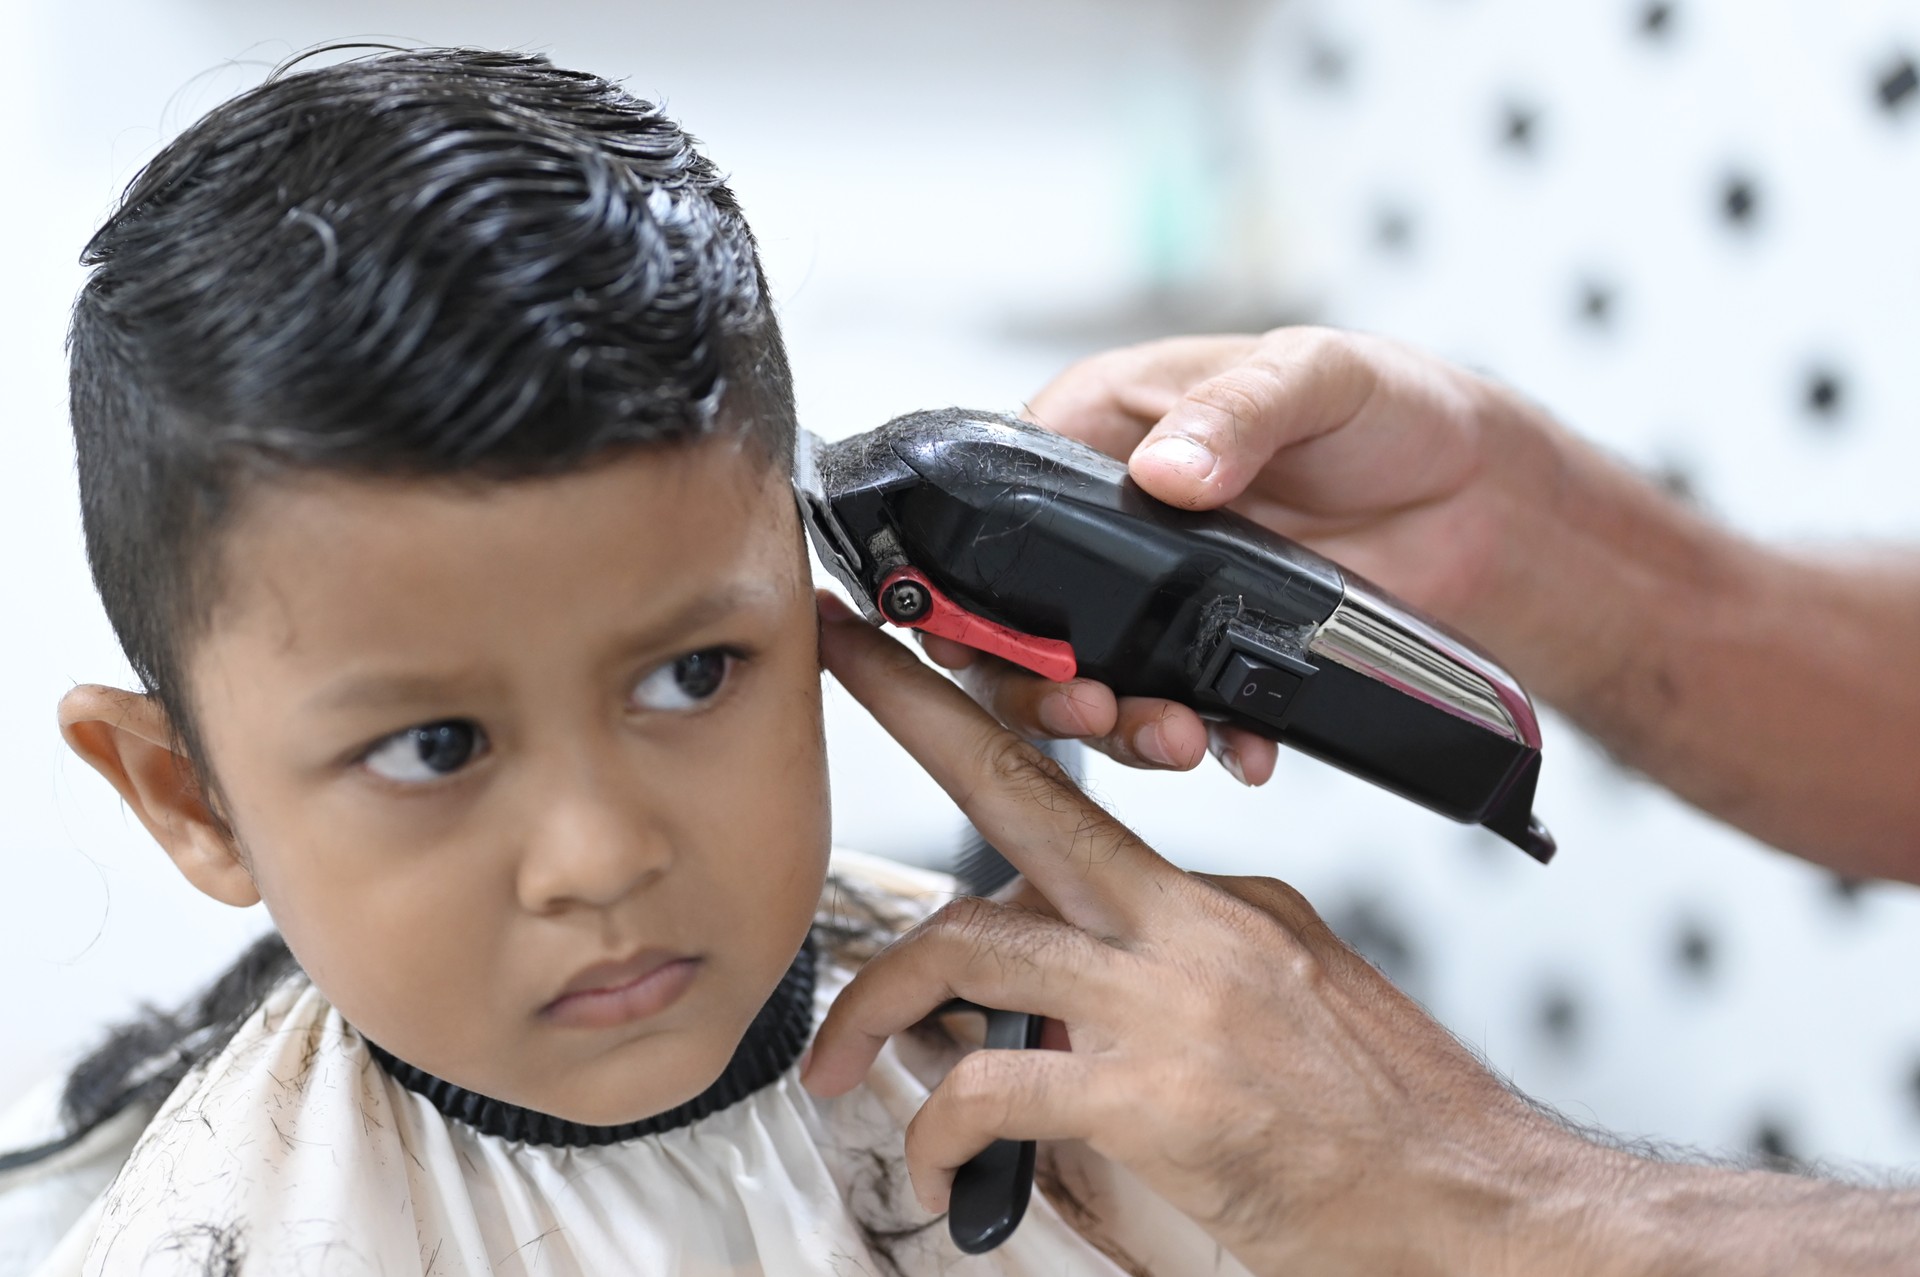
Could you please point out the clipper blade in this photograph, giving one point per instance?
(831, 543)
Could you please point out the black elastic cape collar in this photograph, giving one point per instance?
(773, 1042)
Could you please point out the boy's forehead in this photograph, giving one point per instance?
(353, 559)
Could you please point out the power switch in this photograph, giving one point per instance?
(1256, 688)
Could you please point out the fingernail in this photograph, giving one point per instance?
(1152, 746)
(1182, 455)
(1225, 755)
(1058, 716)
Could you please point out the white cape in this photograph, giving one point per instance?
(293, 1152)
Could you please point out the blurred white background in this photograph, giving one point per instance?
(1685, 226)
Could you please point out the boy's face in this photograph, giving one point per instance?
(529, 774)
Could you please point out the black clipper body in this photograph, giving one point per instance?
(1042, 550)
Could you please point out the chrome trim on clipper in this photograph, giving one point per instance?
(1373, 635)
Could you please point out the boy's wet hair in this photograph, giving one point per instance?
(428, 263)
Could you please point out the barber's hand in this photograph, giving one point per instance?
(1225, 1046)
(1387, 460)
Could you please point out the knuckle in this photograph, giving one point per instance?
(988, 938)
(1307, 346)
(969, 918)
(1240, 395)
(1303, 967)
(1285, 897)
(972, 1082)
(1011, 764)
(1316, 344)
(983, 1090)
(1278, 902)
(1339, 366)
(1275, 918)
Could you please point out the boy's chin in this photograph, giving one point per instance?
(635, 1085)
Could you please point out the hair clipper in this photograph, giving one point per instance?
(1042, 551)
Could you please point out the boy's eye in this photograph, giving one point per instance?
(686, 681)
(427, 752)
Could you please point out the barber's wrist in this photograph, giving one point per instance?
(1595, 574)
(1557, 1202)
(1517, 1197)
(1529, 1200)
(1538, 1198)
(1571, 1216)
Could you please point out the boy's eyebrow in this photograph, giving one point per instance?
(700, 611)
(383, 690)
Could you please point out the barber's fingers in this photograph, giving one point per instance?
(1249, 757)
(996, 955)
(1033, 706)
(1092, 867)
(1137, 731)
(1009, 1095)
(1140, 731)
(1296, 385)
(1110, 400)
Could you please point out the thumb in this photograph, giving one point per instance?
(1298, 384)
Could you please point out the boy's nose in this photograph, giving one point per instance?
(594, 843)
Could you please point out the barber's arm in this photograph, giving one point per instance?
(1779, 690)
(1254, 1071)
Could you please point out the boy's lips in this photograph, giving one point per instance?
(611, 993)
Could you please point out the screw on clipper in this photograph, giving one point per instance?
(905, 601)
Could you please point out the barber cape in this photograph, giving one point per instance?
(300, 1149)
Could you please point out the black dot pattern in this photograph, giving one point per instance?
(1393, 230)
(1695, 951)
(1520, 128)
(1773, 1146)
(1739, 200)
(1678, 480)
(1845, 890)
(1327, 63)
(1559, 1018)
(1898, 86)
(1689, 234)
(1826, 394)
(1596, 304)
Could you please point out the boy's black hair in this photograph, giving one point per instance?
(435, 262)
(431, 262)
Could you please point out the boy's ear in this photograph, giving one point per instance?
(126, 738)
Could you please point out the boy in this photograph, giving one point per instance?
(433, 429)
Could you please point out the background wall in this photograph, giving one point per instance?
(1686, 226)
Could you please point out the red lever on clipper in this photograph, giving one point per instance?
(908, 599)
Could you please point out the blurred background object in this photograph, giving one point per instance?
(1685, 226)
